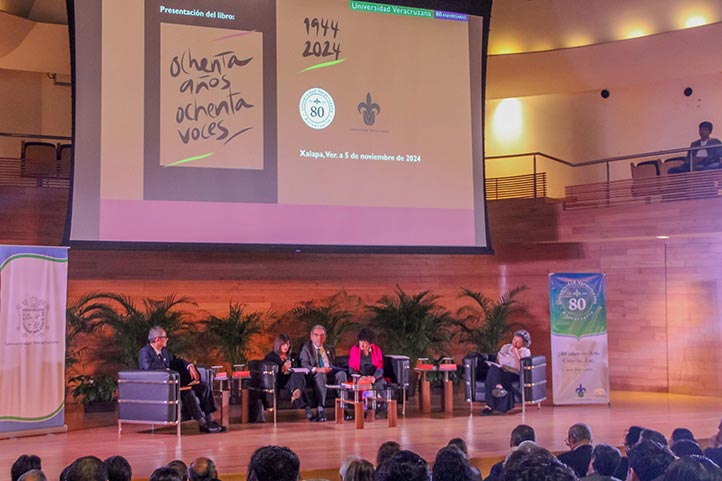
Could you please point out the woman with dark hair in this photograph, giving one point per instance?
(367, 361)
(693, 468)
(294, 382)
(501, 375)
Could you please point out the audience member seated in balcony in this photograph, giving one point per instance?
(366, 360)
(273, 463)
(605, 461)
(519, 434)
(648, 460)
(118, 468)
(318, 359)
(702, 159)
(579, 440)
(451, 465)
(23, 464)
(693, 468)
(293, 382)
(199, 399)
(501, 375)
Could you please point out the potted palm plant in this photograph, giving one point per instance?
(414, 325)
(337, 313)
(229, 336)
(485, 322)
(125, 326)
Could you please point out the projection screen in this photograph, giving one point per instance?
(300, 124)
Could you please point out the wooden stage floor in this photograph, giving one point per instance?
(321, 447)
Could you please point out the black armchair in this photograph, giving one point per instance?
(533, 379)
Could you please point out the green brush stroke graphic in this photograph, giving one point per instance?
(321, 65)
(190, 159)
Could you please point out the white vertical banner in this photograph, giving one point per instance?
(33, 296)
(580, 360)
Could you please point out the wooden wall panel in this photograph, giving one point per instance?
(663, 296)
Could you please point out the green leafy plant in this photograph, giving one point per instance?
(93, 389)
(123, 327)
(81, 319)
(337, 313)
(412, 325)
(229, 336)
(485, 322)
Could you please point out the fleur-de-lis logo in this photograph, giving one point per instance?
(581, 390)
(369, 110)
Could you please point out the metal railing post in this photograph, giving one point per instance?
(534, 175)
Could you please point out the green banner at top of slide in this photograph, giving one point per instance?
(392, 9)
(577, 304)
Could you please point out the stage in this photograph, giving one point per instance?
(321, 447)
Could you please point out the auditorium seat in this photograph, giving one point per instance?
(645, 169)
(65, 152)
(672, 163)
(39, 160)
(153, 397)
(534, 378)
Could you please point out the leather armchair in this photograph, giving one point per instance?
(533, 380)
(153, 397)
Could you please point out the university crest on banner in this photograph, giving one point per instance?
(580, 361)
(32, 317)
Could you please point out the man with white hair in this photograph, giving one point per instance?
(318, 359)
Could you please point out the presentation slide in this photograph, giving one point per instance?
(298, 123)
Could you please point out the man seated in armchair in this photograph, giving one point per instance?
(199, 399)
(318, 359)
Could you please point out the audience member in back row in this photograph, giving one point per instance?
(531, 462)
(461, 445)
(404, 466)
(33, 475)
(23, 464)
(605, 460)
(118, 468)
(387, 451)
(714, 450)
(273, 463)
(579, 440)
(702, 159)
(648, 460)
(451, 465)
(360, 470)
(499, 378)
(693, 468)
(519, 434)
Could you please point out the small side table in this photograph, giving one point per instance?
(242, 378)
(222, 390)
(425, 395)
(447, 365)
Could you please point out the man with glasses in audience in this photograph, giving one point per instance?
(199, 399)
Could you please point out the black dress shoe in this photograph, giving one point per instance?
(211, 428)
(311, 417)
(487, 411)
(349, 417)
(321, 417)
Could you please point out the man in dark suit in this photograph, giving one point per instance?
(519, 434)
(318, 359)
(199, 399)
(579, 440)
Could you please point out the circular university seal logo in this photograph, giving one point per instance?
(578, 300)
(317, 108)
